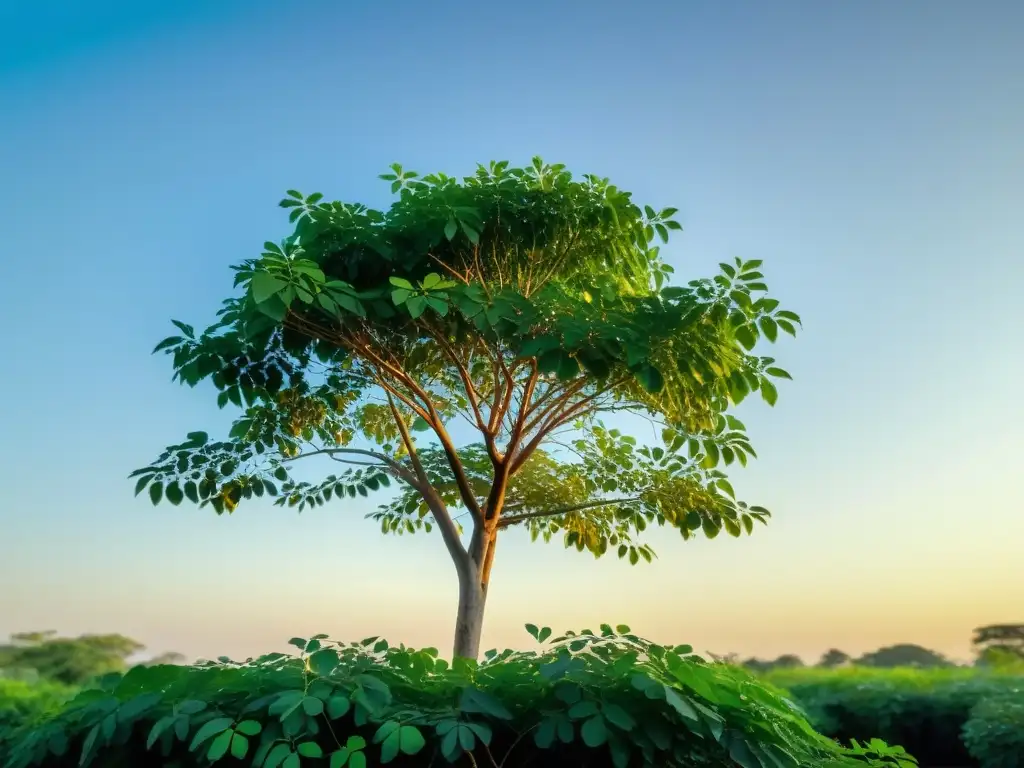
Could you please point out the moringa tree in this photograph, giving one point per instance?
(466, 343)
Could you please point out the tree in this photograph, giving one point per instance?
(833, 658)
(67, 660)
(518, 307)
(903, 655)
(786, 661)
(999, 644)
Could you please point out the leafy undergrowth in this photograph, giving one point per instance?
(942, 716)
(994, 735)
(594, 699)
(24, 703)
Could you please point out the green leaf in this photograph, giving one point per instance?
(191, 707)
(785, 314)
(472, 234)
(249, 727)
(474, 700)
(594, 732)
(651, 379)
(174, 493)
(88, 744)
(778, 373)
(170, 341)
(416, 306)
(278, 755)
(712, 455)
(239, 746)
(142, 483)
(746, 337)
(681, 704)
(740, 752)
(451, 228)
(618, 716)
(188, 330)
(768, 392)
(310, 749)
(769, 328)
(209, 730)
(338, 707)
(395, 738)
(312, 706)
(264, 285)
(158, 729)
(219, 746)
(583, 709)
(156, 492)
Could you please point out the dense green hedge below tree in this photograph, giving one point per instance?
(596, 699)
(944, 717)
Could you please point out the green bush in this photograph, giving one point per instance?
(601, 700)
(24, 703)
(994, 735)
(923, 710)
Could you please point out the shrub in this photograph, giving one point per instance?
(608, 699)
(24, 703)
(994, 735)
(923, 710)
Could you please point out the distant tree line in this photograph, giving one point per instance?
(76, 660)
(71, 660)
(995, 646)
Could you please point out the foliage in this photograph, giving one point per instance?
(903, 655)
(998, 641)
(924, 710)
(66, 660)
(1001, 658)
(833, 658)
(597, 699)
(786, 661)
(994, 735)
(520, 304)
(23, 704)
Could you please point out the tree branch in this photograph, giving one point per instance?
(514, 519)
(445, 524)
(393, 465)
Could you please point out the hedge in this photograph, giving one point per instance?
(607, 699)
(929, 712)
(23, 703)
(994, 734)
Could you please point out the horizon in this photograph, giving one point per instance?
(882, 191)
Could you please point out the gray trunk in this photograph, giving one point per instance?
(470, 620)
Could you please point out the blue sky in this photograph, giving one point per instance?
(869, 152)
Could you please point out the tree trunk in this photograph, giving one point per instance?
(475, 573)
(470, 620)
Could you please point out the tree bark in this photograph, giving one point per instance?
(470, 619)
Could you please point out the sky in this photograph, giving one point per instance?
(871, 153)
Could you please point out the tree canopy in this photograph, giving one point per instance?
(68, 660)
(833, 658)
(520, 306)
(903, 655)
(999, 644)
